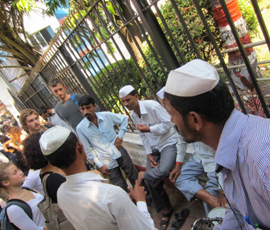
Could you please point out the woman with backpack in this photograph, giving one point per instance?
(18, 214)
(51, 177)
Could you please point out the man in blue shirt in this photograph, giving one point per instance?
(202, 107)
(102, 145)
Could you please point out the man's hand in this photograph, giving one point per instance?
(175, 172)
(140, 177)
(152, 161)
(137, 193)
(105, 170)
(118, 143)
(143, 128)
(222, 200)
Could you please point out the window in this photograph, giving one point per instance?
(41, 38)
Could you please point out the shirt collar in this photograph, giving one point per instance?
(142, 109)
(226, 154)
(84, 176)
(88, 123)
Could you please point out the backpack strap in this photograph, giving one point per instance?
(72, 97)
(22, 204)
(5, 222)
(44, 184)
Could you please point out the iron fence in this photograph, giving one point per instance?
(107, 44)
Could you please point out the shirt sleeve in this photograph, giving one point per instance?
(90, 151)
(18, 217)
(146, 144)
(122, 120)
(164, 119)
(230, 222)
(181, 147)
(126, 214)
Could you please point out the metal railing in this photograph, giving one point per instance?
(105, 45)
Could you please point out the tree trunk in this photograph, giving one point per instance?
(132, 31)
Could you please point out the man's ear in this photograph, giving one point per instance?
(81, 150)
(80, 147)
(196, 120)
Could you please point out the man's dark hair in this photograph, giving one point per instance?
(66, 154)
(133, 93)
(214, 106)
(54, 81)
(86, 100)
(42, 109)
(32, 152)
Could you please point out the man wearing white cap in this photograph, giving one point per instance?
(159, 138)
(202, 107)
(193, 160)
(85, 200)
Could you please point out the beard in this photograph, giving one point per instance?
(89, 116)
(188, 134)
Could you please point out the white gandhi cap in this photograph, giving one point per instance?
(192, 79)
(126, 90)
(52, 139)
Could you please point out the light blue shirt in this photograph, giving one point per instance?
(99, 141)
(244, 152)
(200, 152)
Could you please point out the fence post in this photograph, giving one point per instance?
(154, 30)
(80, 76)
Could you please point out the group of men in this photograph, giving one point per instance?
(200, 105)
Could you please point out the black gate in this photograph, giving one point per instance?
(104, 45)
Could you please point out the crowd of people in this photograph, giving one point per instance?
(195, 130)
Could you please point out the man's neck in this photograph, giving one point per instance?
(78, 166)
(65, 98)
(94, 120)
(137, 110)
(211, 135)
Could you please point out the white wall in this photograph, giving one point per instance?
(6, 98)
(35, 21)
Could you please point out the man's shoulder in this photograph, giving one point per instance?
(77, 95)
(108, 114)
(81, 123)
(149, 103)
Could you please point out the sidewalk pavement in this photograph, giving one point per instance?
(179, 202)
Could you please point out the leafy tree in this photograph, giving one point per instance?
(14, 42)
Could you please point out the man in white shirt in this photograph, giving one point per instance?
(85, 200)
(159, 138)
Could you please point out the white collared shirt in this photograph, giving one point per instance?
(90, 204)
(162, 132)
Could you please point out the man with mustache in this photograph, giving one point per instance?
(159, 139)
(102, 145)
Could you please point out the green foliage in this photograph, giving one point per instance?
(197, 31)
(108, 82)
(249, 17)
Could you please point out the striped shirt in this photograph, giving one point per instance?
(244, 152)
